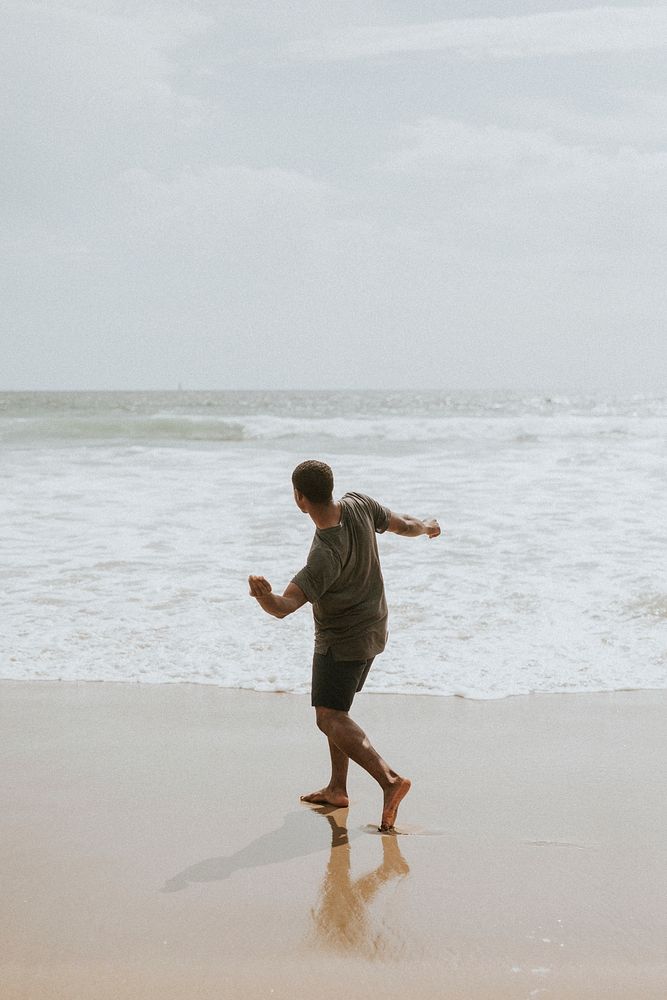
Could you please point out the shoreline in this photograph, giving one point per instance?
(154, 846)
(304, 694)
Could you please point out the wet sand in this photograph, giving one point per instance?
(154, 846)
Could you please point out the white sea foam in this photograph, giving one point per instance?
(131, 521)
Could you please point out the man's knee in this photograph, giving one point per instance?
(325, 717)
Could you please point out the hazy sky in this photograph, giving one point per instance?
(351, 193)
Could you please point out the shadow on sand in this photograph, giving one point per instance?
(301, 834)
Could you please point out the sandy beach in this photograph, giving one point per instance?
(154, 846)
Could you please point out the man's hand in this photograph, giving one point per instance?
(259, 586)
(280, 607)
(412, 527)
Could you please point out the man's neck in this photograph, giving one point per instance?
(326, 517)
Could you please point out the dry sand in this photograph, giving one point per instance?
(153, 846)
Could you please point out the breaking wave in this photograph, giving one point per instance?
(523, 431)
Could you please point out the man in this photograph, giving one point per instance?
(343, 581)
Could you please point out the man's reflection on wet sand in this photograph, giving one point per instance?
(342, 917)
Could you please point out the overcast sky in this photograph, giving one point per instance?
(351, 193)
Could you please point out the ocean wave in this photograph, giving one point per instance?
(649, 606)
(130, 563)
(83, 429)
(175, 427)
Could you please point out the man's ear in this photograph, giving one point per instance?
(299, 499)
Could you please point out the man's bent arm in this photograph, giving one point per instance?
(275, 604)
(412, 527)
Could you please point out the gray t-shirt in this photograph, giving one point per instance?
(343, 581)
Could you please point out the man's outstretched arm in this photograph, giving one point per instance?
(275, 604)
(411, 527)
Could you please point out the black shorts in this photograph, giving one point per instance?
(335, 682)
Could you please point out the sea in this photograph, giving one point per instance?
(130, 522)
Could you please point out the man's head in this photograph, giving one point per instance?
(313, 481)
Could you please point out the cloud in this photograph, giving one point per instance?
(223, 201)
(518, 190)
(567, 32)
(68, 60)
(169, 181)
(446, 143)
(92, 90)
(632, 118)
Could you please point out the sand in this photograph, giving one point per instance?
(153, 846)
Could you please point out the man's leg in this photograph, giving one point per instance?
(352, 741)
(335, 793)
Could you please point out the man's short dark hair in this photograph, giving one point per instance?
(315, 480)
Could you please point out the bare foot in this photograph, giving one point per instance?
(392, 799)
(327, 797)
